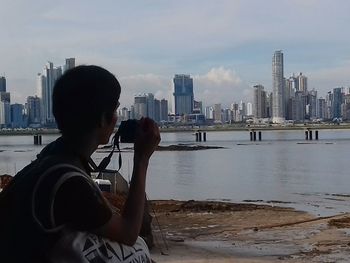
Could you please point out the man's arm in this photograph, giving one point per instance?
(125, 228)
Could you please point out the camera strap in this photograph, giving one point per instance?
(105, 161)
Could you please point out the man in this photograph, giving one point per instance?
(85, 100)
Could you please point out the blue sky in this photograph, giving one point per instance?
(226, 46)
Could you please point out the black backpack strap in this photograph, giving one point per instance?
(73, 171)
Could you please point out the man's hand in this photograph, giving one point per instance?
(147, 139)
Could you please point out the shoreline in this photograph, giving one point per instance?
(205, 128)
(209, 231)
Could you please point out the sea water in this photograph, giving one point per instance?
(282, 169)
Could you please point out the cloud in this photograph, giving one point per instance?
(220, 85)
(144, 83)
(135, 38)
(326, 79)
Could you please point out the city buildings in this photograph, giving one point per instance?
(46, 82)
(145, 105)
(290, 99)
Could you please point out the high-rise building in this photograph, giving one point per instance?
(123, 114)
(45, 84)
(17, 118)
(337, 101)
(70, 63)
(302, 83)
(209, 113)
(321, 109)
(2, 84)
(312, 102)
(217, 113)
(259, 106)
(164, 110)
(140, 106)
(278, 98)
(249, 109)
(34, 110)
(226, 115)
(236, 117)
(183, 94)
(242, 109)
(41, 90)
(150, 105)
(156, 110)
(5, 114)
(51, 74)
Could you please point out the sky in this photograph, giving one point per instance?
(225, 45)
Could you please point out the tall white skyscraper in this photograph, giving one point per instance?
(278, 100)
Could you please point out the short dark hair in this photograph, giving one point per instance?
(82, 96)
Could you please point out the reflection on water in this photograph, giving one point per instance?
(185, 173)
(282, 167)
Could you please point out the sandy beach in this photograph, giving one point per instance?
(205, 231)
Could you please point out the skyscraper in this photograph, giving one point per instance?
(321, 110)
(70, 63)
(259, 106)
(150, 105)
(140, 106)
(278, 99)
(2, 84)
(5, 114)
(302, 83)
(51, 74)
(183, 94)
(337, 101)
(217, 113)
(156, 110)
(163, 110)
(17, 119)
(33, 110)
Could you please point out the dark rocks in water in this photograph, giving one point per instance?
(182, 147)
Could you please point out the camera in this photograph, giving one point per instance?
(127, 130)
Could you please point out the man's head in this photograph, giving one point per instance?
(83, 98)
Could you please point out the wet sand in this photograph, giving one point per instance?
(222, 232)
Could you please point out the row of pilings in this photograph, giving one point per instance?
(201, 135)
(308, 135)
(37, 139)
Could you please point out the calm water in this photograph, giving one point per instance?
(281, 168)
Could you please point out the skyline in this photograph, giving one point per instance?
(226, 46)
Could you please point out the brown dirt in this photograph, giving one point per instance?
(224, 232)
